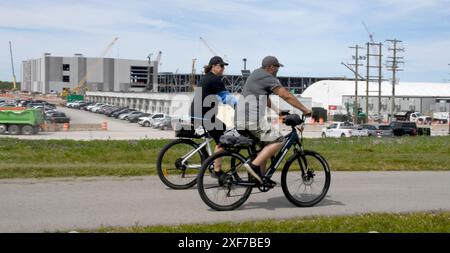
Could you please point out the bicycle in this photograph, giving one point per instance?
(233, 188)
(181, 173)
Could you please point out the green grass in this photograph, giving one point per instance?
(69, 158)
(430, 222)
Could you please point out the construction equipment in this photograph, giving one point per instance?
(12, 66)
(81, 88)
(225, 58)
(374, 47)
(17, 121)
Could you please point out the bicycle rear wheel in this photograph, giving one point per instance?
(305, 179)
(230, 190)
(172, 170)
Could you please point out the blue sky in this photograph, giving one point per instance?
(311, 38)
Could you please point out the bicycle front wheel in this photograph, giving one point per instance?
(305, 179)
(231, 189)
(178, 163)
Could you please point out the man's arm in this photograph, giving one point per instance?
(290, 99)
(272, 106)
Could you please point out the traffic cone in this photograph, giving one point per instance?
(104, 125)
(66, 126)
(321, 121)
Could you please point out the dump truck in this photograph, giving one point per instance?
(17, 121)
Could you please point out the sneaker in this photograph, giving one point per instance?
(216, 174)
(271, 182)
(254, 171)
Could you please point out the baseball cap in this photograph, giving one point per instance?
(269, 61)
(217, 60)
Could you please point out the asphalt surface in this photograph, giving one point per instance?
(122, 129)
(39, 205)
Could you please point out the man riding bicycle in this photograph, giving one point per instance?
(251, 112)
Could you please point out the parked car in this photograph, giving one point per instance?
(7, 105)
(401, 128)
(338, 129)
(148, 121)
(371, 129)
(125, 116)
(163, 123)
(90, 107)
(110, 113)
(116, 114)
(97, 108)
(57, 117)
(134, 118)
(384, 131)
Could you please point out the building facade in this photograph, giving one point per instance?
(50, 74)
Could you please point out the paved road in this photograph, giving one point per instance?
(70, 204)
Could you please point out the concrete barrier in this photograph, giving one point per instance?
(72, 127)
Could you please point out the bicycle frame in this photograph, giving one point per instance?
(206, 143)
(292, 139)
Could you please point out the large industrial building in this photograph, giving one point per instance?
(50, 74)
(339, 96)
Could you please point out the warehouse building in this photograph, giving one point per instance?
(339, 96)
(51, 74)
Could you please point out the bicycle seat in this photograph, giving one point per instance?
(293, 120)
(232, 141)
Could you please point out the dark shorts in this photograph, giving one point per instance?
(216, 133)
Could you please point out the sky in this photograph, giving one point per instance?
(311, 38)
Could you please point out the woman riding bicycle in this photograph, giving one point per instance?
(204, 107)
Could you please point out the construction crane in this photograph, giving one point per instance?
(82, 87)
(374, 48)
(12, 66)
(211, 50)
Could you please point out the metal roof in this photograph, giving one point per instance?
(330, 92)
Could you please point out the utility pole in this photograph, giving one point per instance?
(378, 77)
(356, 57)
(393, 65)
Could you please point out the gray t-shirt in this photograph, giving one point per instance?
(253, 100)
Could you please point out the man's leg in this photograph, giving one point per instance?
(218, 161)
(266, 153)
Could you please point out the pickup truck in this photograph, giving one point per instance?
(338, 129)
(413, 117)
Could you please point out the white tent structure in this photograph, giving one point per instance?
(330, 92)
